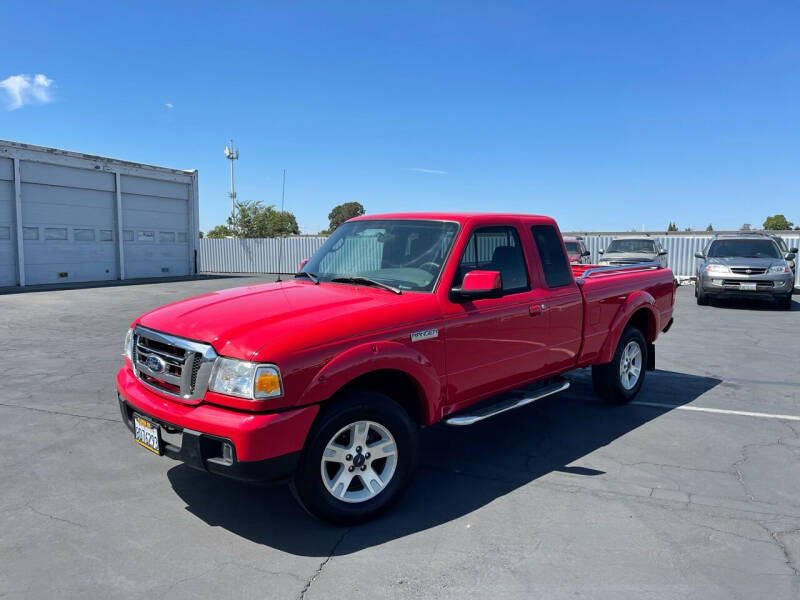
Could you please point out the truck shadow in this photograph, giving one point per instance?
(461, 470)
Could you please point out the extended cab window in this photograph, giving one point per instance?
(554, 263)
(495, 249)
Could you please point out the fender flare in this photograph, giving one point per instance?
(637, 300)
(378, 356)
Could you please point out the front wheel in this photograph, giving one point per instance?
(785, 303)
(702, 299)
(620, 380)
(359, 458)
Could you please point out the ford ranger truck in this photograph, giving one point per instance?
(396, 323)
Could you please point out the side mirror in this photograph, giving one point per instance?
(662, 253)
(479, 284)
(303, 263)
(699, 255)
(600, 251)
(789, 256)
(586, 253)
(793, 250)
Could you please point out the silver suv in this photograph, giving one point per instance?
(744, 265)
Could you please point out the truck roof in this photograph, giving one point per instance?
(459, 217)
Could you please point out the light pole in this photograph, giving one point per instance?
(232, 154)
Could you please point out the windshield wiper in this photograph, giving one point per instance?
(367, 281)
(311, 276)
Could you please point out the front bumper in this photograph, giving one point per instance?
(726, 285)
(265, 447)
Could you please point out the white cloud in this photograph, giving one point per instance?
(430, 171)
(21, 90)
(168, 104)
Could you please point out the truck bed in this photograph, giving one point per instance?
(612, 294)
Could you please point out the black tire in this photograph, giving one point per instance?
(607, 379)
(702, 299)
(359, 405)
(785, 302)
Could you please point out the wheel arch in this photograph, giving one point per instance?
(404, 375)
(638, 310)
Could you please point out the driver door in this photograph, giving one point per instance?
(494, 343)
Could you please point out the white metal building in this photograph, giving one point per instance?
(91, 218)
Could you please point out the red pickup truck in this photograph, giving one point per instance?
(396, 323)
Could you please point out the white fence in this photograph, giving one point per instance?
(267, 256)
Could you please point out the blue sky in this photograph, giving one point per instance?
(605, 115)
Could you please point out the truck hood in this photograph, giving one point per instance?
(283, 317)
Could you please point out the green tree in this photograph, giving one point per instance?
(672, 226)
(342, 213)
(778, 222)
(220, 231)
(710, 227)
(254, 220)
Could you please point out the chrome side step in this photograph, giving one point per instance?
(506, 404)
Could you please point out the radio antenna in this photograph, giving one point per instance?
(283, 235)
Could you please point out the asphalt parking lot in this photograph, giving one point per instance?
(677, 496)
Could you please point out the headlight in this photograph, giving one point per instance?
(780, 269)
(714, 268)
(128, 347)
(245, 379)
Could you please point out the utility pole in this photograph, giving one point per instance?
(232, 154)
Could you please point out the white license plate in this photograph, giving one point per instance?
(145, 433)
(748, 287)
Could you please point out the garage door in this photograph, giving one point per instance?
(68, 220)
(8, 260)
(156, 222)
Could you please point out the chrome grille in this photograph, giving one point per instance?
(172, 365)
(748, 270)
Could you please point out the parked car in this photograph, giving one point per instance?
(632, 250)
(396, 323)
(786, 250)
(576, 251)
(744, 265)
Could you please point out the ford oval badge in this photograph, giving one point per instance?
(155, 363)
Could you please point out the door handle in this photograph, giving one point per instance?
(537, 309)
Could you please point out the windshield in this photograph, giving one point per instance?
(743, 249)
(572, 247)
(403, 253)
(646, 246)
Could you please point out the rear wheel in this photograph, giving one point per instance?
(359, 458)
(620, 380)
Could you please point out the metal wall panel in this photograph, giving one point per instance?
(256, 255)
(261, 255)
(680, 248)
(156, 217)
(8, 262)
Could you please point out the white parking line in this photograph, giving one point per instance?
(720, 411)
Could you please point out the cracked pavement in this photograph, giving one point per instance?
(565, 498)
